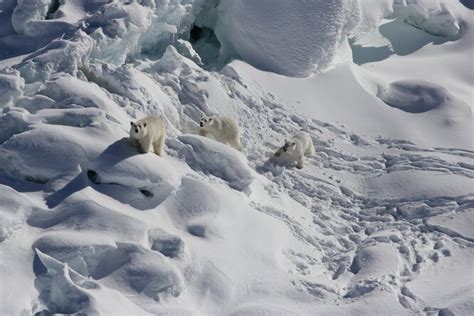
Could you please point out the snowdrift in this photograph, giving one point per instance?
(378, 220)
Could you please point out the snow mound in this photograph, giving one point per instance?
(143, 180)
(92, 217)
(292, 38)
(414, 96)
(212, 157)
(195, 207)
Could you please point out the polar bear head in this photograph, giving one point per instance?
(138, 130)
(289, 145)
(205, 121)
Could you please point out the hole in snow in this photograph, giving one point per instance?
(93, 176)
(206, 44)
(39, 180)
(55, 4)
(146, 192)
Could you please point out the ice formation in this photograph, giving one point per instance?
(378, 221)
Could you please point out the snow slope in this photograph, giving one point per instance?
(379, 221)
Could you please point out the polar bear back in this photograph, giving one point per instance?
(303, 139)
(155, 126)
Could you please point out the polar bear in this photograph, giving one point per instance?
(294, 150)
(149, 134)
(223, 129)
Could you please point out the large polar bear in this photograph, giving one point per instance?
(295, 149)
(223, 129)
(149, 134)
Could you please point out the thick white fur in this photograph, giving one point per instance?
(294, 150)
(223, 129)
(149, 134)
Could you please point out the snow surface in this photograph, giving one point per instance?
(378, 222)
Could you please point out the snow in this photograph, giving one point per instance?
(27, 11)
(458, 225)
(379, 221)
(248, 29)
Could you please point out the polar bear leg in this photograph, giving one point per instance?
(159, 145)
(300, 162)
(235, 143)
(134, 142)
(145, 146)
(203, 132)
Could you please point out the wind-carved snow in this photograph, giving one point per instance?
(249, 29)
(376, 222)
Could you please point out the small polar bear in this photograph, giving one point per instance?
(223, 129)
(149, 134)
(294, 150)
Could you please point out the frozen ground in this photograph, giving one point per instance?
(378, 222)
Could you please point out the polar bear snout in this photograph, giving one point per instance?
(204, 121)
(288, 145)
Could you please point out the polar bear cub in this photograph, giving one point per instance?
(294, 150)
(149, 134)
(223, 129)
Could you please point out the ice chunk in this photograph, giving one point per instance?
(169, 245)
(63, 290)
(11, 86)
(437, 20)
(60, 55)
(418, 96)
(148, 272)
(414, 96)
(29, 10)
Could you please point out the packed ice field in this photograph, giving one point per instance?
(368, 211)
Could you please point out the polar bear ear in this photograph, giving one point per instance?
(132, 124)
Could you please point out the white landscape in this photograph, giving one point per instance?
(379, 221)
